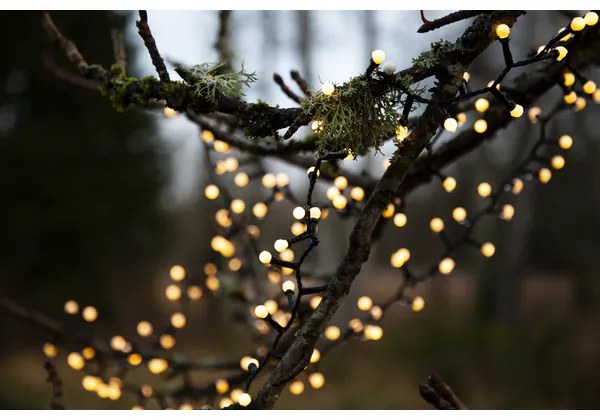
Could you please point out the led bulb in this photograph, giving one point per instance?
(378, 56)
(568, 78)
(341, 183)
(589, 87)
(591, 18)
(480, 126)
(315, 213)
(401, 132)
(269, 180)
(260, 210)
(544, 175)
(570, 98)
(288, 286)
(315, 356)
(364, 303)
(482, 105)
(244, 399)
(400, 257)
(238, 206)
(436, 225)
(562, 52)
(578, 23)
(466, 76)
(503, 31)
(508, 212)
(316, 380)
(281, 245)
(449, 184)
(296, 387)
(265, 257)
(417, 304)
(373, 332)
(400, 219)
(241, 179)
(534, 113)
(450, 124)
(488, 249)
(340, 202)
(446, 265)
(459, 214)
(261, 311)
(565, 142)
(332, 332)
(357, 193)
(557, 162)
(484, 189)
(517, 111)
(328, 89)
(299, 213)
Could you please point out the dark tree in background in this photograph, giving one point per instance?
(274, 265)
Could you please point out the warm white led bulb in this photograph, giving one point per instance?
(328, 89)
(378, 56)
(281, 245)
(450, 124)
(265, 257)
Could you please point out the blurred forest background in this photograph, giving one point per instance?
(97, 205)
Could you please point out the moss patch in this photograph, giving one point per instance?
(353, 118)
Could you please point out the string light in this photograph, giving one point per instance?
(480, 126)
(400, 219)
(177, 273)
(590, 18)
(482, 105)
(544, 175)
(238, 206)
(508, 212)
(328, 89)
(244, 399)
(75, 361)
(446, 266)
(436, 225)
(562, 52)
(534, 113)
(378, 56)
(178, 320)
(417, 304)
(570, 97)
(221, 386)
(461, 117)
(157, 365)
(517, 186)
(332, 332)
(565, 142)
(488, 249)
(135, 359)
(49, 350)
(269, 180)
(589, 87)
(484, 189)
(88, 353)
(503, 31)
(71, 307)
(315, 356)
(298, 228)
(118, 343)
(246, 361)
(314, 213)
(299, 213)
(578, 23)
(357, 193)
(316, 380)
(401, 132)
(373, 332)
(282, 179)
(314, 302)
(557, 162)
(173, 292)
(364, 303)
(89, 314)
(568, 79)
(144, 328)
(517, 111)
(167, 341)
(449, 184)
(297, 387)
(288, 286)
(459, 214)
(241, 179)
(400, 257)
(466, 76)
(340, 202)
(261, 311)
(450, 124)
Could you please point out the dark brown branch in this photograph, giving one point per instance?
(301, 82)
(285, 89)
(71, 78)
(119, 48)
(31, 315)
(437, 393)
(223, 44)
(430, 25)
(146, 34)
(64, 44)
(56, 384)
(294, 361)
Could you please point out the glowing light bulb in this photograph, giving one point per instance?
(364, 303)
(238, 206)
(316, 380)
(557, 162)
(466, 76)
(373, 332)
(589, 87)
(144, 328)
(488, 249)
(172, 292)
(246, 361)
(241, 179)
(417, 304)
(436, 225)
(71, 307)
(75, 361)
(446, 266)
(169, 112)
(449, 184)
(207, 136)
(261, 311)
(568, 79)
(570, 97)
(517, 186)
(580, 103)
(508, 212)
(296, 387)
(534, 113)
(50, 350)
(378, 56)
(484, 189)
(400, 257)
(565, 142)
(315, 356)
(461, 117)
(328, 89)
(317, 126)
(265, 257)
(332, 332)
(340, 202)
(388, 211)
(311, 170)
(562, 52)
(260, 210)
(221, 147)
(90, 382)
(157, 365)
(315, 213)
(178, 320)
(459, 214)
(482, 105)
(503, 31)
(299, 213)
(89, 313)
(221, 386)
(298, 228)
(578, 23)
(281, 245)
(314, 301)
(341, 183)
(401, 132)
(177, 273)
(400, 219)
(450, 124)
(135, 359)
(282, 179)
(357, 193)
(517, 111)
(591, 18)
(167, 341)
(480, 126)
(288, 286)
(544, 175)
(269, 180)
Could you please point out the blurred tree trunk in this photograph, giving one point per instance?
(304, 43)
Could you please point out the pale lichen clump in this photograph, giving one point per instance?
(352, 117)
(210, 80)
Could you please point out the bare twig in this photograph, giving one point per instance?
(71, 78)
(279, 80)
(430, 25)
(439, 394)
(64, 44)
(301, 82)
(56, 383)
(146, 34)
